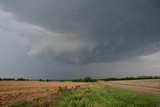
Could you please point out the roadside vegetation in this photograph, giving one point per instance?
(101, 95)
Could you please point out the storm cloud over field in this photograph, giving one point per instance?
(75, 38)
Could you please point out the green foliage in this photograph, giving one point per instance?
(47, 80)
(86, 79)
(62, 89)
(19, 105)
(21, 79)
(133, 78)
(7, 79)
(40, 80)
(76, 80)
(101, 95)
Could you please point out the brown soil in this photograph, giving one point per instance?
(12, 92)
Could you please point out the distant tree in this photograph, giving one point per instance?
(20, 79)
(4, 79)
(40, 80)
(77, 80)
(156, 77)
(8, 79)
(1, 79)
(47, 80)
(88, 79)
(111, 79)
(132, 78)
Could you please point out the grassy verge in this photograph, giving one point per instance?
(101, 95)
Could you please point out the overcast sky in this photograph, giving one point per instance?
(65, 39)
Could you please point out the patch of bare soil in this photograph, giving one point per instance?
(12, 92)
(142, 89)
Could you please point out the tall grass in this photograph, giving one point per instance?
(101, 95)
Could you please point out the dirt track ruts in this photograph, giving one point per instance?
(142, 89)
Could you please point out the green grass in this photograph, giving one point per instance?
(101, 95)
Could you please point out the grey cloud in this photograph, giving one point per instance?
(91, 30)
(40, 41)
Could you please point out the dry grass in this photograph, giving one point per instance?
(155, 83)
(26, 91)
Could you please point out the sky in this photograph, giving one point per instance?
(69, 39)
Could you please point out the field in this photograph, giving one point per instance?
(12, 92)
(102, 95)
(154, 83)
(151, 86)
(79, 94)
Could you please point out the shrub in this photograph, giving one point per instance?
(20, 79)
(62, 89)
(77, 80)
(47, 80)
(40, 80)
(88, 79)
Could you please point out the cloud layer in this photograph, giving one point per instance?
(39, 41)
(85, 31)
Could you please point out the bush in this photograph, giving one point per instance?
(20, 79)
(8, 79)
(62, 89)
(40, 80)
(88, 79)
(47, 80)
(77, 80)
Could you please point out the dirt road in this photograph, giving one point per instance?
(142, 89)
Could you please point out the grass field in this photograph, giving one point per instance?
(101, 95)
(46, 94)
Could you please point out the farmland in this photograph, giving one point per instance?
(12, 92)
(66, 94)
(153, 83)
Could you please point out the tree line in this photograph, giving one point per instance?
(86, 79)
(133, 78)
(13, 79)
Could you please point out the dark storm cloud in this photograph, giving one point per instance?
(91, 30)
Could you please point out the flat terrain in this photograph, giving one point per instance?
(23, 91)
(153, 83)
(135, 93)
(103, 95)
(144, 86)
